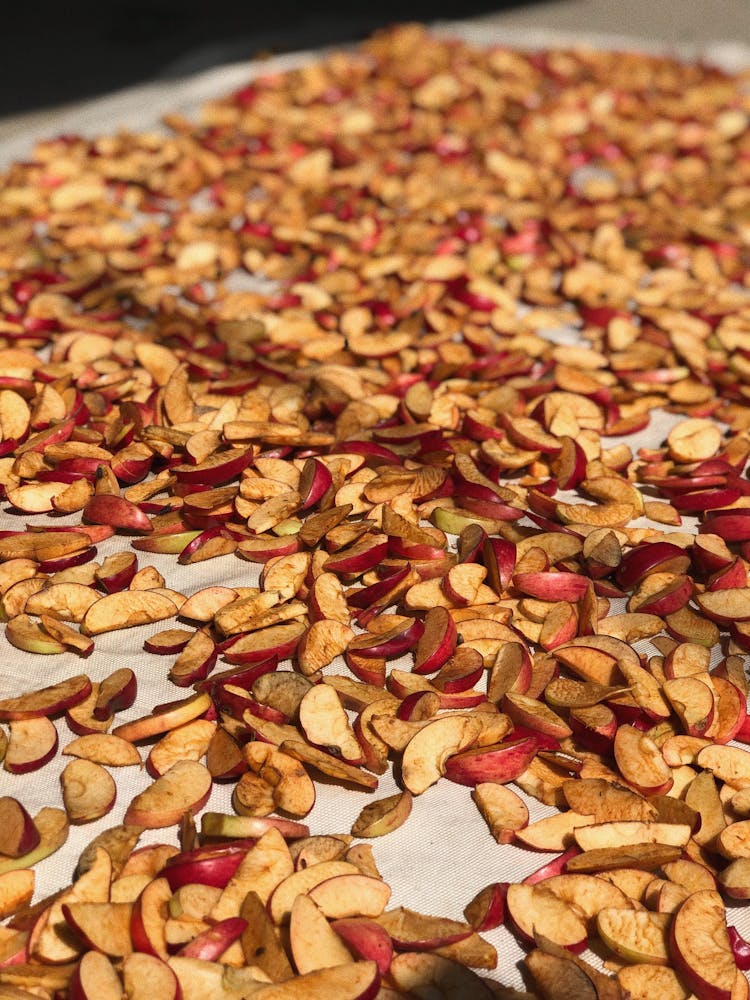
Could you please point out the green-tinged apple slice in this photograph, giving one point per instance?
(381, 817)
(635, 935)
(27, 634)
(52, 825)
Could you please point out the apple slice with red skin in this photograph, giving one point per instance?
(486, 911)
(52, 825)
(52, 700)
(146, 977)
(279, 641)
(220, 825)
(425, 755)
(700, 948)
(212, 864)
(117, 693)
(95, 978)
(224, 757)
(383, 816)
(148, 919)
(117, 512)
(410, 930)
(170, 717)
(535, 715)
(195, 662)
(731, 709)
(499, 762)
(168, 642)
(740, 948)
(641, 762)
(211, 944)
(184, 788)
(33, 743)
(18, 834)
(693, 701)
(281, 898)
(437, 642)
(531, 909)
(116, 571)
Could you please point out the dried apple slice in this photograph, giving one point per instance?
(503, 810)
(184, 788)
(325, 722)
(88, 790)
(103, 748)
(188, 742)
(381, 817)
(126, 609)
(699, 946)
(285, 892)
(52, 826)
(419, 972)
(18, 833)
(260, 941)
(33, 743)
(533, 910)
(16, 890)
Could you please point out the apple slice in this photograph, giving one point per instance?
(184, 788)
(498, 762)
(260, 941)
(641, 762)
(103, 748)
(80, 718)
(351, 896)
(413, 931)
(328, 764)
(70, 638)
(188, 742)
(117, 692)
(534, 910)
(95, 977)
(88, 791)
(353, 981)
(210, 944)
(535, 715)
(383, 816)
(33, 743)
(293, 789)
(263, 868)
(47, 701)
(52, 825)
(645, 981)
(629, 833)
(325, 722)
(126, 609)
(148, 919)
(423, 974)
(556, 976)
(162, 721)
(105, 927)
(18, 834)
(425, 756)
(283, 895)
(645, 856)
(728, 764)
(700, 948)
(146, 977)
(553, 833)
(314, 944)
(503, 810)
(16, 890)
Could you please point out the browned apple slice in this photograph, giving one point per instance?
(635, 935)
(103, 748)
(730, 764)
(46, 701)
(195, 662)
(503, 810)
(702, 795)
(645, 981)
(126, 609)
(18, 833)
(421, 972)
(148, 918)
(262, 869)
(645, 856)
(49, 942)
(105, 927)
(532, 909)
(535, 715)
(67, 601)
(555, 976)
(24, 633)
(321, 644)
(354, 981)
(88, 790)
(42, 545)
(328, 764)
(553, 833)
(630, 833)
(117, 692)
(413, 931)
(184, 788)
(606, 801)
(292, 788)
(70, 638)
(260, 941)
(381, 817)
(33, 742)
(314, 944)
(16, 890)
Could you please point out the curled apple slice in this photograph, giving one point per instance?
(381, 817)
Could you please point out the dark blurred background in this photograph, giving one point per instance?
(54, 53)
